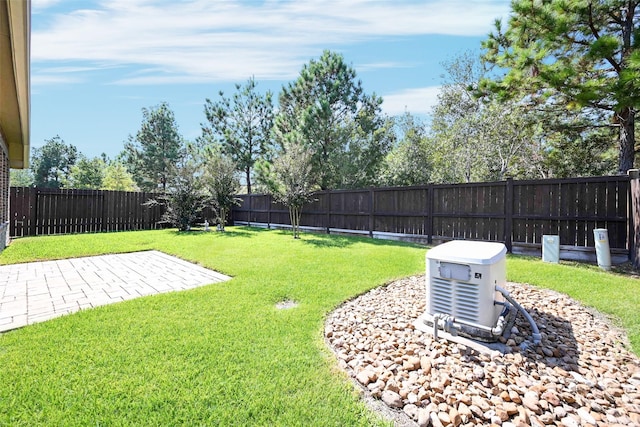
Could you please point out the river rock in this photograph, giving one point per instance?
(424, 419)
(411, 410)
(392, 399)
(583, 373)
(586, 417)
(366, 376)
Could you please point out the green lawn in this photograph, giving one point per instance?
(217, 355)
(223, 354)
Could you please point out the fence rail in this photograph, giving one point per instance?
(513, 212)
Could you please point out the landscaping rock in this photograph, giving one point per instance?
(392, 399)
(424, 418)
(411, 411)
(582, 374)
(531, 401)
(435, 420)
(366, 376)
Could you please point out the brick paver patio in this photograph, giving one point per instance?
(38, 291)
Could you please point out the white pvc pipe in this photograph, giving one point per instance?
(457, 323)
(603, 254)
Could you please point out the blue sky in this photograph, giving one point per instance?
(96, 64)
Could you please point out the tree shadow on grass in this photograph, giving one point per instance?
(228, 233)
(327, 241)
(235, 232)
(341, 241)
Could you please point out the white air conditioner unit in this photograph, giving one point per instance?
(462, 281)
(466, 296)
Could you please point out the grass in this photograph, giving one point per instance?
(223, 354)
(217, 355)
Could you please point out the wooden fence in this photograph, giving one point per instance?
(512, 212)
(38, 211)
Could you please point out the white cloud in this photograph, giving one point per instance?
(383, 65)
(62, 74)
(203, 40)
(40, 79)
(38, 5)
(416, 101)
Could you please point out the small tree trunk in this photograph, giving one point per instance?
(292, 220)
(298, 214)
(223, 218)
(627, 141)
(248, 175)
(295, 212)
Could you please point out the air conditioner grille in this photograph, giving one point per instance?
(458, 299)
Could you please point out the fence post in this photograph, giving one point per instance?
(269, 203)
(508, 214)
(634, 217)
(250, 212)
(371, 211)
(103, 212)
(33, 210)
(327, 205)
(429, 215)
(14, 193)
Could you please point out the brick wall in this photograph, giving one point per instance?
(4, 194)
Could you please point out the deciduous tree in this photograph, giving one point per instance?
(473, 140)
(362, 161)
(117, 178)
(492, 138)
(185, 195)
(51, 164)
(20, 178)
(222, 184)
(291, 181)
(87, 173)
(410, 161)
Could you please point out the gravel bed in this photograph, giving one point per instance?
(582, 374)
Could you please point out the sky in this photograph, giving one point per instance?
(95, 64)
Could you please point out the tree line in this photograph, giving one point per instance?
(553, 93)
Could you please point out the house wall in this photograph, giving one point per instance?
(15, 94)
(4, 193)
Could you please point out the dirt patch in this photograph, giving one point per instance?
(286, 304)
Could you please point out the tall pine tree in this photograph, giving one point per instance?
(241, 126)
(573, 54)
(327, 111)
(156, 147)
